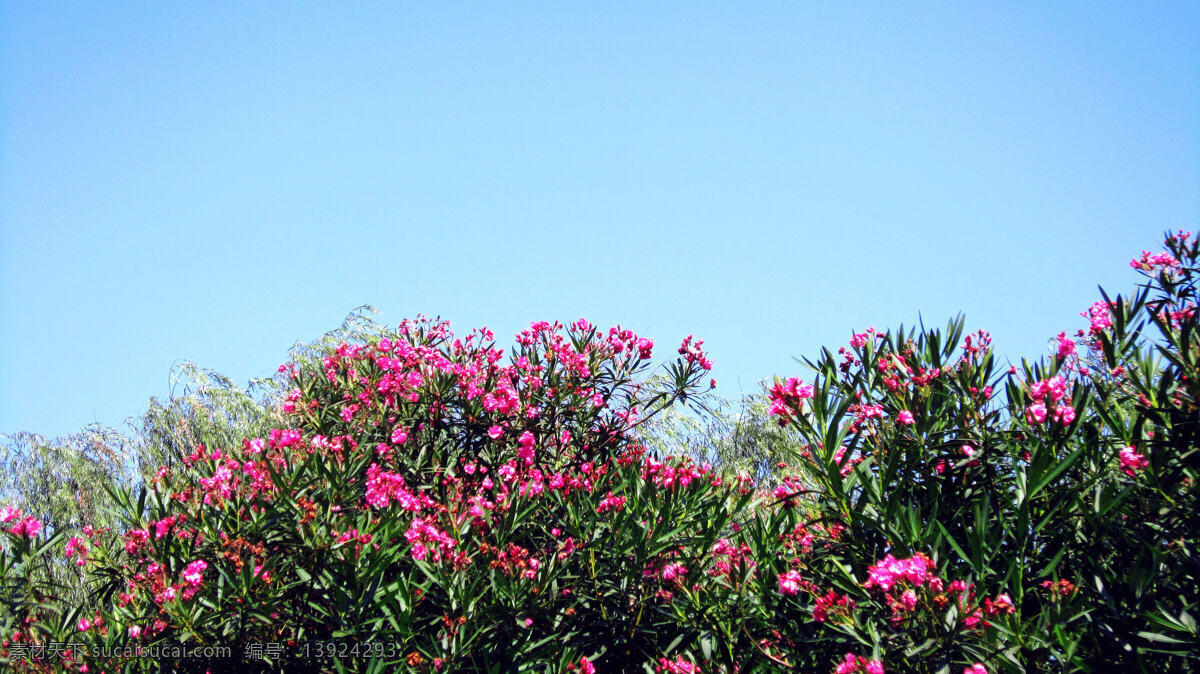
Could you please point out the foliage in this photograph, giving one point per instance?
(739, 437)
(412, 500)
(59, 483)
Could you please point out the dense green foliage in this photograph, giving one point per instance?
(410, 499)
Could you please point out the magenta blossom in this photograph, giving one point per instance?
(677, 666)
(672, 571)
(1066, 346)
(525, 451)
(1131, 461)
(789, 582)
(29, 527)
(852, 664)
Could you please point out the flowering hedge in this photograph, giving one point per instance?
(436, 503)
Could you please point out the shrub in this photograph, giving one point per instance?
(433, 503)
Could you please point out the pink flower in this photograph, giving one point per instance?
(9, 513)
(76, 547)
(525, 451)
(851, 664)
(888, 571)
(135, 540)
(166, 595)
(968, 450)
(644, 346)
(1100, 317)
(672, 571)
(972, 619)
(611, 502)
(1036, 413)
(1150, 262)
(976, 668)
(194, 573)
(677, 666)
(695, 354)
(1002, 604)
(904, 418)
(495, 432)
(399, 435)
(1131, 461)
(29, 527)
(384, 487)
(848, 665)
(266, 575)
(1066, 346)
(789, 582)
(788, 395)
(134, 631)
(586, 667)
(83, 625)
(421, 533)
(1064, 414)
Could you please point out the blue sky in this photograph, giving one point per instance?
(214, 182)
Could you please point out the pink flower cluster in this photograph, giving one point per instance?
(525, 448)
(788, 397)
(1049, 401)
(611, 502)
(667, 476)
(220, 486)
(789, 582)
(694, 354)
(889, 571)
(831, 600)
(77, 548)
(426, 538)
(1149, 262)
(384, 487)
(136, 539)
(899, 580)
(852, 664)
(1059, 588)
(1100, 316)
(26, 525)
(674, 572)
(976, 345)
(585, 666)
(859, 340)
(1001, 605)
(193, 578)
(677, 666)
(1131, 461)
(792, 486)
(1066, 346)
(728, 557)
(864, 413)
(621, 340)
(193, 575)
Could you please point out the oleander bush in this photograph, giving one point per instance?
(412, 500)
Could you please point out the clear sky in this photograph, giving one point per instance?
(215, 181)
